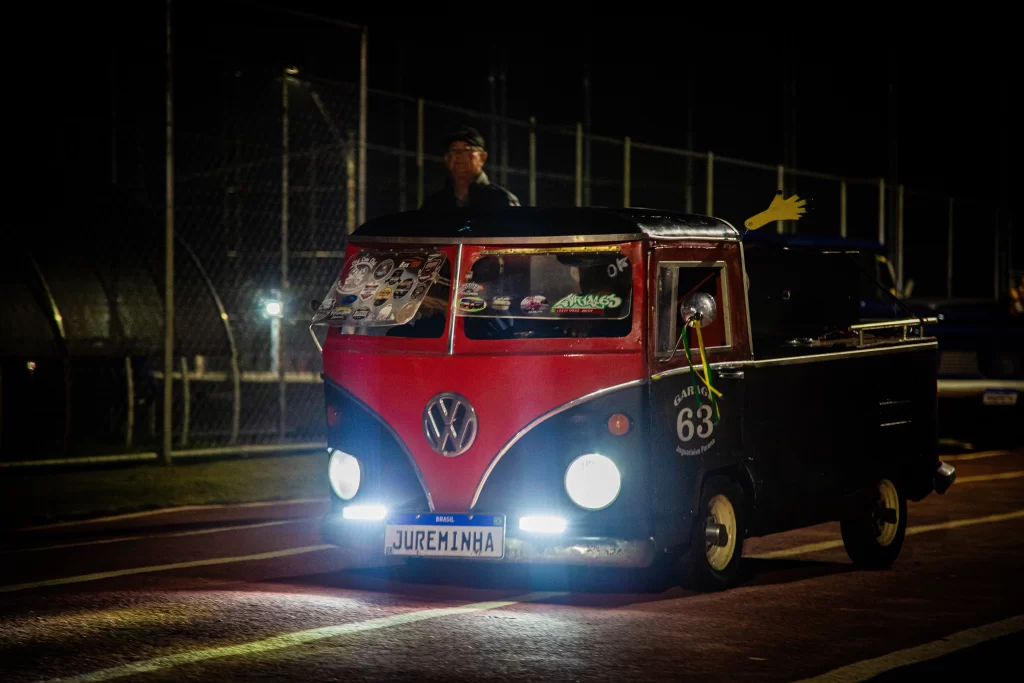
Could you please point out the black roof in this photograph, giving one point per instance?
(550, 224)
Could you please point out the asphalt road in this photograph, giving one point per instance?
(251, 593)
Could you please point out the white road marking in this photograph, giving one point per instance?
(869, 668)
(911, 530)
(975, 456)
(180, 508)
(166, 567)
(121, 539)
(990, 477)
(292, 639)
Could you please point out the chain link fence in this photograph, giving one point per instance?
(269, 178)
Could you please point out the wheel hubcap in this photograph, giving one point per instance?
(885, 531)
(720, 511)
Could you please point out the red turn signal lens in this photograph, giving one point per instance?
(618, 424)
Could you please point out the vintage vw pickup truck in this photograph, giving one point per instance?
(615, 387)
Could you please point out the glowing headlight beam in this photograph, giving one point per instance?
(593, 481)
(366, 513)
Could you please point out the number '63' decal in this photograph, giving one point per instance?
(684, 423)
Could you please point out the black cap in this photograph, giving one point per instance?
(466, 134)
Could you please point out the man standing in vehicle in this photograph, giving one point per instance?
(467, 185)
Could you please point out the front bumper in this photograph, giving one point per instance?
(367, 540)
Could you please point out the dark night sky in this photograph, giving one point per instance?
(949, 121)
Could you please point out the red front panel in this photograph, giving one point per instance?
(507, 392)
(509, 383)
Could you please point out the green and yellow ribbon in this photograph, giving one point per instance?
(694, 374)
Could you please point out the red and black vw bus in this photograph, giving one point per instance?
(607, 387)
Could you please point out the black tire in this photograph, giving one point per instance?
(700, 567)
(870, 541)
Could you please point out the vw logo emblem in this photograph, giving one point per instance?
(449, 423)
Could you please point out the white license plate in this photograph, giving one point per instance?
(999, 397)
(441, 535)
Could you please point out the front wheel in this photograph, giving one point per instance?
(873, 540)
(716, 542)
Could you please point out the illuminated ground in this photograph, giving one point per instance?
(161, 592)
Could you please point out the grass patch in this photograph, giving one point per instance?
(39, 497)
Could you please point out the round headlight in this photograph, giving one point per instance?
(343, 473)
(592, 481)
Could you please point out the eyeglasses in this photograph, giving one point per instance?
(464, 150)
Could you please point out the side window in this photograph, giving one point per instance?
(676, 281)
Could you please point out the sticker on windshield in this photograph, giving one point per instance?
(418, 292)
(340, 313)
(368, 291)
(385, 312)
(533, 304)
(383, 295)
(326, 305)
(356, 276)
(472, 304)
(348, 300)
(472, 288)
(432, 264)
(360, 313)
(383, 269)
(585, 303)
(395, 277)
(501, 303)
(413, 263)
(403, 287)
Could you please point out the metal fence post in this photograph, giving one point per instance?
(285, 151)
(780, 185)
(419, 152)
(129, 428)
(842, 208)
(168, 254)
(626, 172)
(533, 162)
(186, 394)
(949, 252)
(579, 164)
(363, 93)
(276, 323)
(709, 198)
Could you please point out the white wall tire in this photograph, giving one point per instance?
(706, 566)
(871, 541)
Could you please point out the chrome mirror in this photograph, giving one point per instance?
(699, 306)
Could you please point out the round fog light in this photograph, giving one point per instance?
(343, 473)
(592, 481)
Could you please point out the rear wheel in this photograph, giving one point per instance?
(716, 542)
(873, 540)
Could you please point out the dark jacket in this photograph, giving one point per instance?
(483, 194)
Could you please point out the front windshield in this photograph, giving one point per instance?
(390, 292)
(544, 293)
